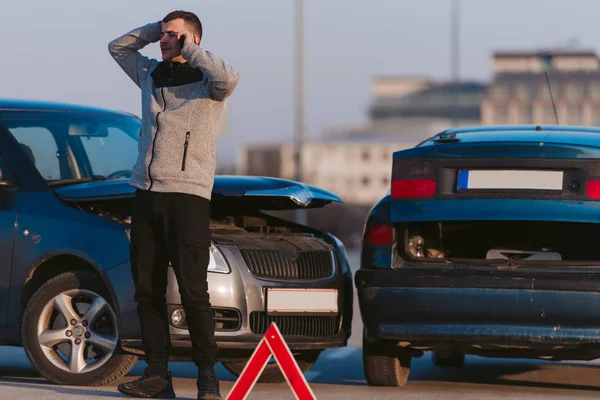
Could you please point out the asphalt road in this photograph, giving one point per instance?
(338, 374)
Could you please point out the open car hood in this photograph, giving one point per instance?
(256, 192)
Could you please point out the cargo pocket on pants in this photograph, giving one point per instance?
(195, 258)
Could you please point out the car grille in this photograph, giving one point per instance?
(309, 265)
(308, 326)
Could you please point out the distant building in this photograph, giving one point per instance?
(356, 162)
(359, 172)
(460, 101)
(416, 107)
(519, 93)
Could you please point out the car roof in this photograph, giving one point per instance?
(40, 105)
(559, 134)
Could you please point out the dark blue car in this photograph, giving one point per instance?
(66, 290)
(486, 244)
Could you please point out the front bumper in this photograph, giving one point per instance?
(239, 290)
(423, 307)
(234, 350)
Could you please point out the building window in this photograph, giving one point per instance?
(573, 91)
(501, 115)
(574, 115)
(525, 115)
(595, 91)
(365, 155)
(523, 92)
(544, 91)
(596, 116)
(500, 92)
(548, 116)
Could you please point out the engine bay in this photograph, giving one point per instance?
(225, 220)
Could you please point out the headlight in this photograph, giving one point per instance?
(217, 261)
(178, 317)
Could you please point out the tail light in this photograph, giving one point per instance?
(413, 188)
(379, 235)
(413, 179)
(592, 189)
(377, 249)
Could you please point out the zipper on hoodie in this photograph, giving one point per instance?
(185, 148)
(155, 136)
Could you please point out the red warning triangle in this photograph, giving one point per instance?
(272, 344)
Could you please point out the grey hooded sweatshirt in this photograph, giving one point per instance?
(181, 113)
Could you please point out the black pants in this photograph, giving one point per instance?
(172, 227)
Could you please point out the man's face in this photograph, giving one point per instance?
(169, 45)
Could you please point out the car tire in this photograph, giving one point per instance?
(385, 364)
(60, 350)
(272, 373)
(453, 360)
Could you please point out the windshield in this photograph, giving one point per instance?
(66, 146)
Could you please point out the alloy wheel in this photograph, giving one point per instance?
(77, 331)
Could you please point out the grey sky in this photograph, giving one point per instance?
(58, 51)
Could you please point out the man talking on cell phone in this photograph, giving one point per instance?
(182, 101)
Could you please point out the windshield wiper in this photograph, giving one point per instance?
(79, 180)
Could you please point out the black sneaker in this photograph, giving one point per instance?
(208, 385)
(149, 386)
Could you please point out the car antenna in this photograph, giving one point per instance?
(546, 62)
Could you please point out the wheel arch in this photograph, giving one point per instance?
(114, 365)
(54, 265)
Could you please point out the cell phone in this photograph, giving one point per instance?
(181, 41)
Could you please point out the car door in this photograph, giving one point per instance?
(11, 198)
(17, 179)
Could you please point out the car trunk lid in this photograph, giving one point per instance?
(421, 178)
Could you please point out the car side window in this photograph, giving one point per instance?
(39, 145)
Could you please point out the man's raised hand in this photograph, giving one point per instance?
(188, 37)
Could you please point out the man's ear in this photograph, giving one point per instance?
(197, 39)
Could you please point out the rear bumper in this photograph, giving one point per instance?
(476, 333)
(486, 305)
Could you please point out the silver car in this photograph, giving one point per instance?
(263, 269)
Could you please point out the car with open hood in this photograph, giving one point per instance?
(66, 289)
(485, 245)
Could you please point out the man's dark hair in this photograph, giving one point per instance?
(190, 19)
